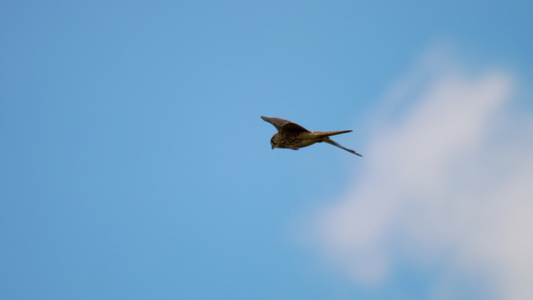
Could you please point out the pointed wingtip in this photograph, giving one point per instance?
(356, 153)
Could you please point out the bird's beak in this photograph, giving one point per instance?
(273, 147)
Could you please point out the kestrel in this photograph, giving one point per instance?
(293, 136)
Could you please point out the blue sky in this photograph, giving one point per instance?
(135, 165)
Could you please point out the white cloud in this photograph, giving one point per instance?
(447, 185)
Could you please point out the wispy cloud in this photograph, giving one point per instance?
(447, 184)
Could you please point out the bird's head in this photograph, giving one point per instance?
(274, 140)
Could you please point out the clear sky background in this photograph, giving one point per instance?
(134, 163)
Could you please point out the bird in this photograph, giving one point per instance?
(293, 136)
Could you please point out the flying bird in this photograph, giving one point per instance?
(293, 136)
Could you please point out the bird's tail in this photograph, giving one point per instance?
(329, 133)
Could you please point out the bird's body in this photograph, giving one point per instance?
(293, 136)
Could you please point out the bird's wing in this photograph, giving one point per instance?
(331, 142)
(285, 125)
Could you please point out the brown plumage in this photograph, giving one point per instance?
(293, 136)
